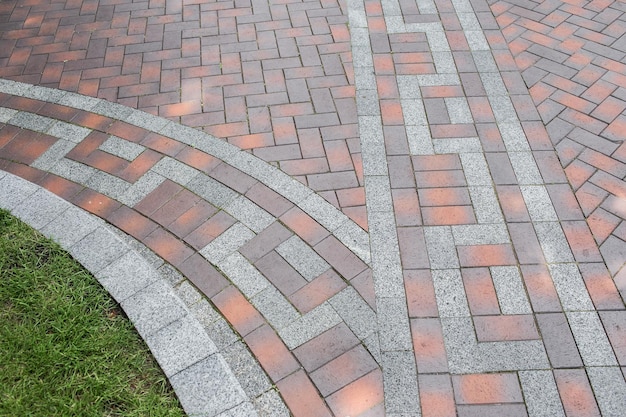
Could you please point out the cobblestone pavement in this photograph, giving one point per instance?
(353, 208)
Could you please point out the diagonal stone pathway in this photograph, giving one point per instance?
(437, 260)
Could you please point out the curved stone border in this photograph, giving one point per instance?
(171, 321)
(340, 225)
(293, 327)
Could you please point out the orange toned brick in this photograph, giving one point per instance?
(301, 396)
(127, 131)
(505, 328)
(343, 370)
(131, 222)
(383, 64)
(238, 311)
(444, 197)
(487, 388)
(391, 112)
(162, 144)
(60, 186)
(197, 159)
(167, 246)
(480, 291)
(440, 216)
(543, 296)
(601, 287)
(26, 147)
(428, 345)
(191, 219)
(304, 226)
(361, 397)
(576, 393)
(436, 162)
(436, 396)
(203, 275)
(420, 293)
(406, 207)
(317, 291)
(209, 230)
(512, 203)
(581, 241)
(96, 203)
(137, 168)
(602, 223)
(357, 215)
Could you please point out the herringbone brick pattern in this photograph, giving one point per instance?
(272, 78)
(571, 55)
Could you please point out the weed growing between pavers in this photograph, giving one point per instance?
(66, 349)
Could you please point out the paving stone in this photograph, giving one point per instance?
(207, 387)
(499, 72)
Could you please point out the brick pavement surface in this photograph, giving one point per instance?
(401, 208)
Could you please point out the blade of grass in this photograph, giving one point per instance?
(66, 349)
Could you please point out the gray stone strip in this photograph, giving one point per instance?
(401, 393)
(169, 314)
(357, 240)
(294, 328)
(541, 394)
(609, 388)
(465, 354)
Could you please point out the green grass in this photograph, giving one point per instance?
(66, 349)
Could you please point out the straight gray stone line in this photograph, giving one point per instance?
(169, 314)
(442, 253)
(340, 225)
(401, 392)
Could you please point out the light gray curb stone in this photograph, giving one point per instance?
(202, 379)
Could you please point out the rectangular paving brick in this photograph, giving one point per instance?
(576, 392)
(95, 203)
(505, 328)
(132, 222)
(558, 340)
(301, 396)
(362, 397)
(317, 291)
(601, 286)
(282, 275)
(428, 344)
(413, 252)
(343, 370)
(209, 230)
(436, 396)
(406, 207)
(203, 275)
(487, 388)
(238, 311)
(168, 247)
(340, 258)
(480, 291)
(304, 226)
(450, 215)
(191, 219)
